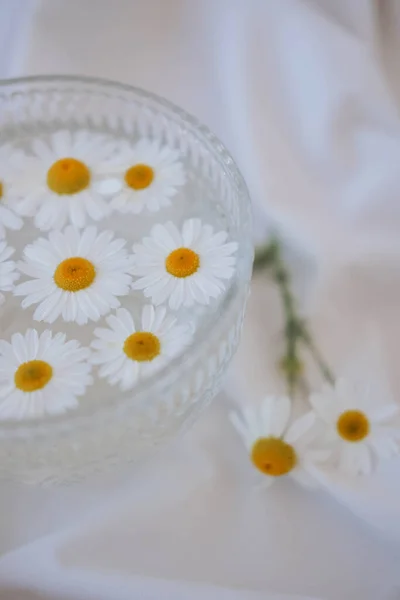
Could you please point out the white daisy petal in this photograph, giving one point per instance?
(160, 318)
(19, 347)
(10, 161)
(161, 291)
(148, 317)
(34, 286)
(145, 176)
(253, 423)
(8, 272)
(8, 220)
(126, 319)
(177, 297)
(323, 406)
(62, 179)
(300, 427)
(243, 430)
(42, 382)
(192, 229)
(174, 266)
(129, 376)
(355, 459)
(197, 292)
(32, 343)
(41, 149)
(275, 414)
(50, 308)
(274, 449)
(75, 275)
(112, 366)
(166, 325)
(317, 455)
(304, 478)
(109, 187)
(88, 309)
(127, 352)
(361, 424)
(384, 413)
(118, 324)
(62, 142)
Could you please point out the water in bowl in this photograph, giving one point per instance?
(195, 199)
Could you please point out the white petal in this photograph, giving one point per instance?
(323, 404)
(62, 143)
(126, 319)
(384, 413)
(178, 295)
(385, 447)
(148, 314)
(166, 237)
(242, 429)
(275, 414)
(355, 458)
(19, 347)
(304, 478)
(109, 187)
(300, 427)
(68, 379)
(190, 232)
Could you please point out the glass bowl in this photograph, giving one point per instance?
(120, 426)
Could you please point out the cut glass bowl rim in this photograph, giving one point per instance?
(227, 308)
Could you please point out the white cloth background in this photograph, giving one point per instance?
(306, 96)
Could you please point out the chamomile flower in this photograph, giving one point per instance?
(127, 352)
(41, 375)
(10, 160)
(359, 424)
(275, 447)
(183, 267)
(8, 272)
(143, 177)
(76, 275)
(58, 186)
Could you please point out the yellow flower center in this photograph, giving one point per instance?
(33, 375)
(182, 262)
(68, 176)
(353, 426)
(272, 456)
(139, 177)
(142, 346)
(74, 274)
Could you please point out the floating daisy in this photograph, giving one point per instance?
(8, 273)
(275, 447)
(10, 159)
(127, 352)
(58, 184)
(41, 375)
(144, 176)
(183, 267)
(76, 275)
(359, 425)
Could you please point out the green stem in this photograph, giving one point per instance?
(265, 256)
(315, 353)
(295, 329)
(290, 361)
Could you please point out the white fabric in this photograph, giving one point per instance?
(15, 21)
(306, 96)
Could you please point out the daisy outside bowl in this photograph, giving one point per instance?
(111, 425)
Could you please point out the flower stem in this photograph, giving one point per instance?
(319, 360)
(295, 329)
